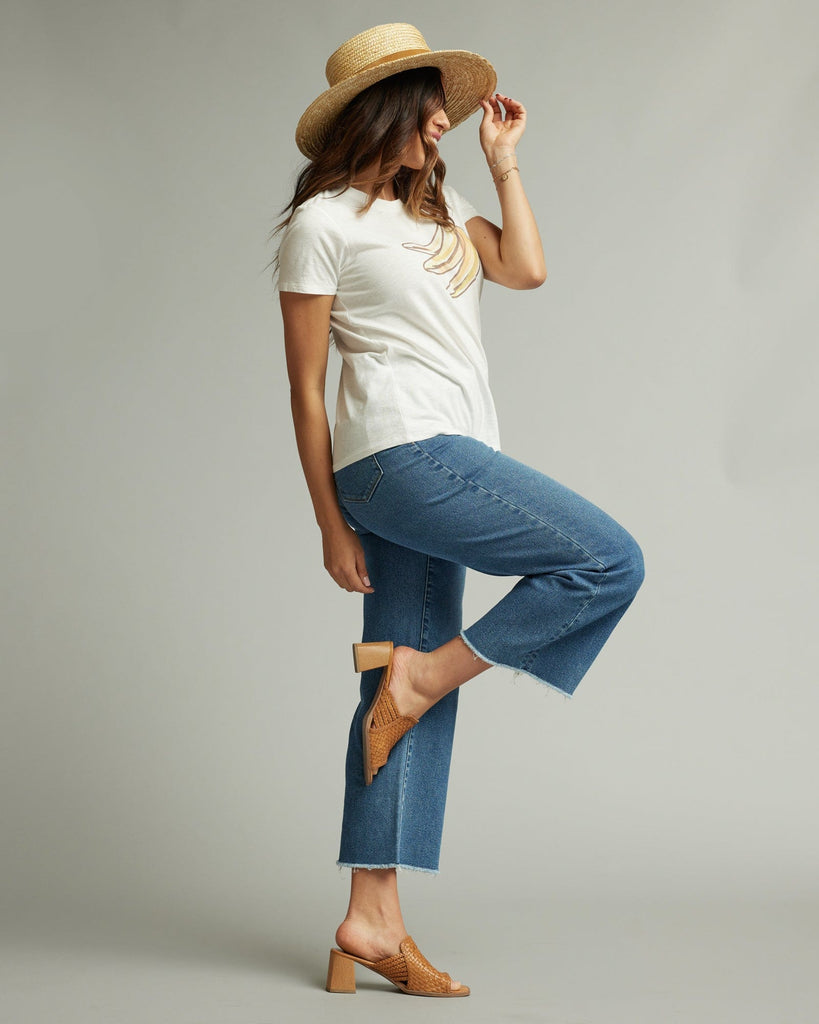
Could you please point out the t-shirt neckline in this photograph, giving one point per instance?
(396, 203)
(378, 199)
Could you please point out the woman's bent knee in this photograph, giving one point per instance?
(634, 565)
(624, 565)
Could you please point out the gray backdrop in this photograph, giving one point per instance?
(177, 679)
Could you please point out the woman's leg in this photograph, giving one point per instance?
(453, 497)
(374, 926)
(398, 820)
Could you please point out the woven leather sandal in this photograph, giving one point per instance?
(409, 971)
(384, 725)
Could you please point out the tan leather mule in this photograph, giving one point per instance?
(384, 725)
(409, 971)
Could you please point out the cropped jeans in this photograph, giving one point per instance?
(424, 512)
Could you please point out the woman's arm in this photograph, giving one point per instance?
(306, 327)
(512, 256)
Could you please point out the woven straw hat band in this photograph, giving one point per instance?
(367, 50)
(394, 56)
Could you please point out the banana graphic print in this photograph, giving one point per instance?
(451, 250)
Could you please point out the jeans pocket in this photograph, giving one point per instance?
(358, 481)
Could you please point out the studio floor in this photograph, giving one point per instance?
(562, 962)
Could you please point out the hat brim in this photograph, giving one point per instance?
(467, 77)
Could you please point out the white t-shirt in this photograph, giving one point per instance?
(405, 320)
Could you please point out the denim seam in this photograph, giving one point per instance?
(399, 825)
(372, 486)
(580, 611)
(510, 504)
(408, 758)
(425, 608)
(380, 476)
(531, 655)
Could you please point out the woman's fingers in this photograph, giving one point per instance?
(513, 107)
(358, 586)
(346, 581)
(361, 569)
(504, 119)
(350, 579)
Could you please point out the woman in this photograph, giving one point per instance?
(414, 489)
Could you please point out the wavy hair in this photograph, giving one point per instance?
(377, 125)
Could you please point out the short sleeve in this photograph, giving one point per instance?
(461, 207)
(311, 253)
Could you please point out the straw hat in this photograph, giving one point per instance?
(382, 51)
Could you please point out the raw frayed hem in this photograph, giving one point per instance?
(381, 867)
(517, 671)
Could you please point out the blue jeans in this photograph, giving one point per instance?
(423, 512)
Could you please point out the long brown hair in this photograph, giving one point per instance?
(377, 125)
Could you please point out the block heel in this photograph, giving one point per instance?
(372, 655)
(340, 973)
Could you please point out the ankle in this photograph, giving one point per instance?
(448, 667)
(374, 902)
(428, 677)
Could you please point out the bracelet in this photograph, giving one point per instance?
(495, 164)
(505, 175)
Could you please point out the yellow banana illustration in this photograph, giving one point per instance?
(467, 274)
(450, 249)
(444, 247)
(449, 256)
(433, 245)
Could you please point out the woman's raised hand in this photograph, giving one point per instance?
(497, 132)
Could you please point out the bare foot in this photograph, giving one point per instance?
(367, 943)
(407, 683)
(358, 938)
(420, 679)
